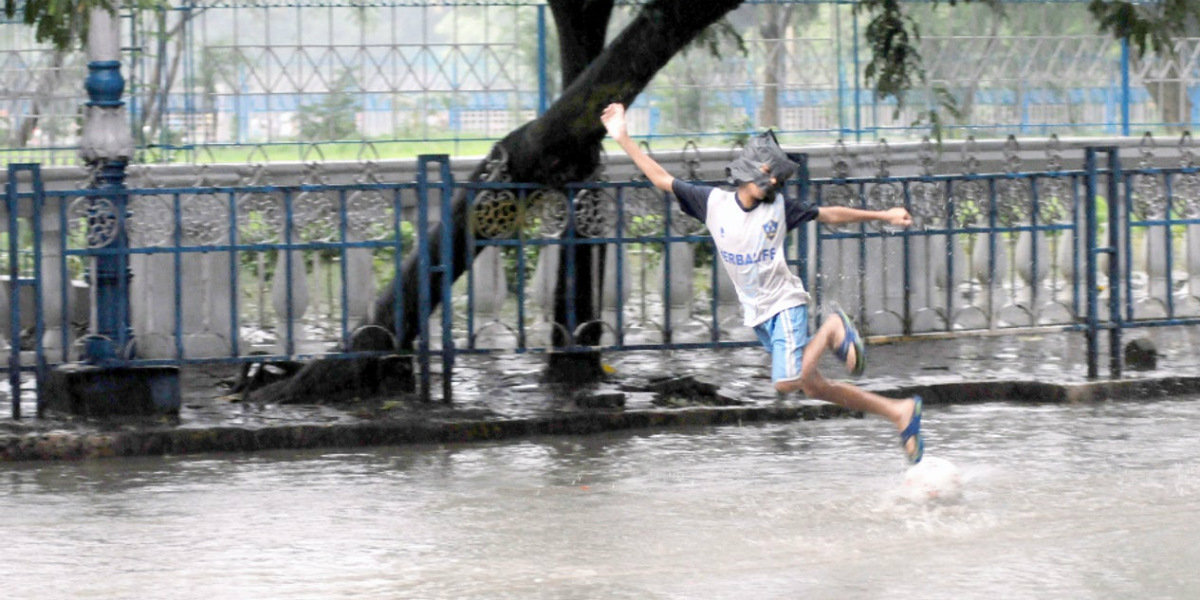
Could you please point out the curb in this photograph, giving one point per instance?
(1034, 391)
(163, 441)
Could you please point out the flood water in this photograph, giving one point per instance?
(1060, 502)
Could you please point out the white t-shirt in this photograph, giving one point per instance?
(750, 245)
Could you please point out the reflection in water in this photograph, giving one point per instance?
(1080, 502)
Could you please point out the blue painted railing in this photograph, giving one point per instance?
(951, 209)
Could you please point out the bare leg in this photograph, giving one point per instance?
(814, 385)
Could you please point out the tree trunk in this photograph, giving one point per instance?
(160, 89)
(1170, 90)
(581, 28)
(580, 41)
(771, 30)
(153, 118)
(559, 147)
(1170, 94)
(44, 89)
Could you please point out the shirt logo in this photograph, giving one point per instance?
(722, 232)
(771, 228)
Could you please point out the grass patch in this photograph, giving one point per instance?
(324, 151)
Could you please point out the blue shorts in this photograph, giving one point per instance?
(785, 335)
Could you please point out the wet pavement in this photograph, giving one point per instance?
(1059, 501)
(502, 397)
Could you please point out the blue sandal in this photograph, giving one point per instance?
(914, 431)
(852, 338)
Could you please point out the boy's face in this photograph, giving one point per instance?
(764, 187)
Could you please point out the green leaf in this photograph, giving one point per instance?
(64, 23)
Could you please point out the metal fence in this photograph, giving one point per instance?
(1102, 247)
(211, 81)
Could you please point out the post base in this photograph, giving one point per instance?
(574, 367)
(92, 391)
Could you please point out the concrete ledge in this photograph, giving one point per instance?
(1033, 391)
(164, 441)
(160, 440)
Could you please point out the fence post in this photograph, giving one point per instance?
(543, 77)
(840, 67)
(426, 268)
(1125, 91)
(857, 82)
(1089, 269)
(14, 303)
(802, 175)
(423, 275)
(1092, 250)
(40, 274)
(446, 266)
(1118, 212)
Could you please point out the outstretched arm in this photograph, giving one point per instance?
(841, 215)
(614, 121)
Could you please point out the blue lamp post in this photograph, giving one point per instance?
(104, 386)
(107, 146)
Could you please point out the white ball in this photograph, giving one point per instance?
(935, 479)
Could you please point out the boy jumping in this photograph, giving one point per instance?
(746, 228)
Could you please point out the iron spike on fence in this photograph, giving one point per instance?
(970, 193)
(1187, 184)
(884, 194)
(1187, 151)
(1055, 201)
(838, 192)
(928, 201)
(1013, 202)
(1054, 154)
(1149, 195)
